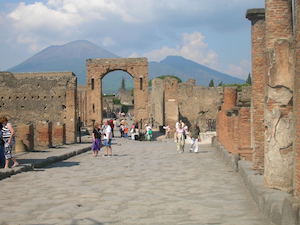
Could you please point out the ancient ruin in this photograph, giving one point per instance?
(171, 101)
(274, 100)
(98, 68)
(42, 106)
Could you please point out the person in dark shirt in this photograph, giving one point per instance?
(195, 132)
(96, 135)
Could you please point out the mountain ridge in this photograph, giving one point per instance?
(72, 57)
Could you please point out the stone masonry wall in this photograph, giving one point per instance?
(171, 101)
(28, 98)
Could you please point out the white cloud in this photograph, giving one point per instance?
(241, 70)
(107, 41)
(193, 47)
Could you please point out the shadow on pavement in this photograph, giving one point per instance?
(63, 164)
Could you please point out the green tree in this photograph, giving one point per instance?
(220, 83)
(123, 87)
(249, 80)
(211, 83)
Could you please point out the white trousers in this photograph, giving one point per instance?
(194, 146)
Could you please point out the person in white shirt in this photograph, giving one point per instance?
(107, 138)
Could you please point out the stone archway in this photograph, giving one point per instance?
(98, 68)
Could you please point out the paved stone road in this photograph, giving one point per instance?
(144, 183)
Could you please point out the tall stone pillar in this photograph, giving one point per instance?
(278, 171)
(297, 104)
(257, 18)
(171, 102)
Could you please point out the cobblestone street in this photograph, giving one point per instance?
(144, 183)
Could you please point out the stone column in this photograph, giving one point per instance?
(171, 102)
(257, 18)
(43, 135)
(244, 130)
(278, 171)
(58, 134)
(297, 105)
(226, 123)
(71, 113)
(25, 134)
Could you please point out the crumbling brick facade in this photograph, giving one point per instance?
(233, 123)
(171, 101)
(29, 98)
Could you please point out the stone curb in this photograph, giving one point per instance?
(43, 163)
(280, 207)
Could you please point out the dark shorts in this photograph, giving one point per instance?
(107, 142)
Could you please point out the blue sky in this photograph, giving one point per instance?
(211, 32)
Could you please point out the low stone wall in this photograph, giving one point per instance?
(281, 208)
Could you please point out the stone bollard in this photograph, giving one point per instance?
(44, 134)
(25, 134)
(58, 134)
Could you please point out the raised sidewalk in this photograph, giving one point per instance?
(282, 208)
(38, 159)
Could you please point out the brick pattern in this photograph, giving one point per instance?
(257, 17)
(233, 125)
(58, 134)
(44, 135)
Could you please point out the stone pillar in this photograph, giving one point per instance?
(225, 123)
(71, 113)
(171, 102)
(43, 135)
(297, 105)
(25, 134)
(244, 130)
(278, 171)
(157, 101)
(58, 134)
(257, 18)
(230, 96)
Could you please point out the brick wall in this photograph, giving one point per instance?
(257, 18)
(233, 125)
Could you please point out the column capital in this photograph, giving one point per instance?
(255, 15)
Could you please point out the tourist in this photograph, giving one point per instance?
(96, 135)
(8, 138)
(2, 157)
(112, 125)
(107, 139)
(148, 132)
(122, 127)
(167, 131)
(179, 138)
(194, 134)
(132, 131)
